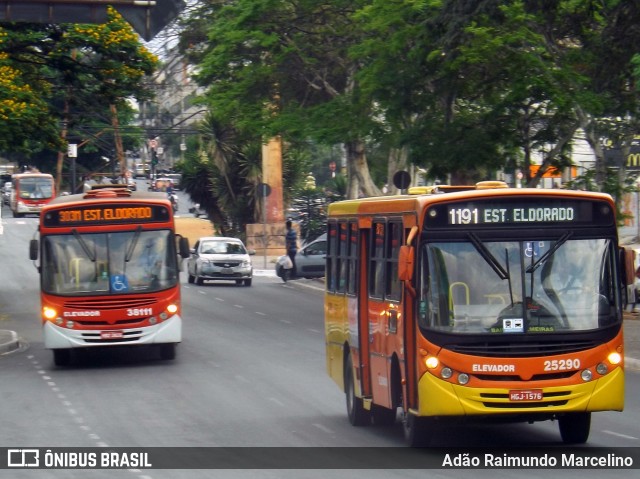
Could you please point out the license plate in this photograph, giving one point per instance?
(111, 335)
(226, 271)
(525, 395)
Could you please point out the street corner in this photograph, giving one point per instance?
(9, 341)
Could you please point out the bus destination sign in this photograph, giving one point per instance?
(510, 212)
(106, 214)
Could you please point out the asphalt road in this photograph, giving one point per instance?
(250, 372)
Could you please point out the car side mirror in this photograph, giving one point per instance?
(183, 244)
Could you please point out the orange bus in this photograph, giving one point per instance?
(30, 192)
(476, 303)
(109, 271)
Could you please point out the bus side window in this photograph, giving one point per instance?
(376, 261)
(394, 241)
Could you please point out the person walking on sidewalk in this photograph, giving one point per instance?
(291, 244)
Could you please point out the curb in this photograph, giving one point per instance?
(8, 341)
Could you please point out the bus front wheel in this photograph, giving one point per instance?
(417, 430)
(575, 427)
(358, 415)
(168, 351)
(62, 357)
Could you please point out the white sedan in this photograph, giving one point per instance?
(220, 258)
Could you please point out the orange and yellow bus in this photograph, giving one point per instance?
(109, 271)
(480, 302)
(30, 192)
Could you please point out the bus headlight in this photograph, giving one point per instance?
(49, 313)
(446, 373)
(463, 378)
(172, 308)
(615, 358)
(602, 369)
(432, 362)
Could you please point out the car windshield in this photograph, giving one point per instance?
(109, 263)
(222, 247)
(504, 287)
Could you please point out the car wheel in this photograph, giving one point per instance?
(191, 278)
(198, 279)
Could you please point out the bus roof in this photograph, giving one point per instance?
(31, 173)
(102, 193)
(429, 195)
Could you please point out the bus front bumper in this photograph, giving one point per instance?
(442, 398)
(56, 337)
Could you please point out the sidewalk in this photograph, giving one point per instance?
(9, 341)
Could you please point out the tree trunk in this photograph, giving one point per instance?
(359, 169)
(553, 153)
(398, 161)
(63, 136)
(117, 139)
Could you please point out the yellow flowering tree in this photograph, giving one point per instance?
(57, 80)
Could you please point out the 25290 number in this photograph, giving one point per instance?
(562, 364)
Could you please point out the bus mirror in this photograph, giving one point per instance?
(33, 249)
(185, 252)
(405, 263)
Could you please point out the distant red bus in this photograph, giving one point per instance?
(30, 192)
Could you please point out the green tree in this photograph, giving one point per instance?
(283, 67)
(469, 87)
(223, 176)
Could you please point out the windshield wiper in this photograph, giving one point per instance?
(488, 257)
(84, 245)
(132, 245)
(563, 239)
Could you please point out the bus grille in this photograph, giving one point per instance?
(525, 349)
(109, 303)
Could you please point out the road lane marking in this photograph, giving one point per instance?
(623, 436)
(276, 401)
(323, 428)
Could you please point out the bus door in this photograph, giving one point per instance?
(350, 243)
(384, 312)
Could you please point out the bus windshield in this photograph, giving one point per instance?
(518, 287)
(109, 263)
(36, 188)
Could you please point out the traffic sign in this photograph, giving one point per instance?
(264, 190)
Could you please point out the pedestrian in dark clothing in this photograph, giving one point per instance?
(291, 243)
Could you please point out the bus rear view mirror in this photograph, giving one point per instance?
(33, 249)
(183, 245)
(627, 262)
(405, 263)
